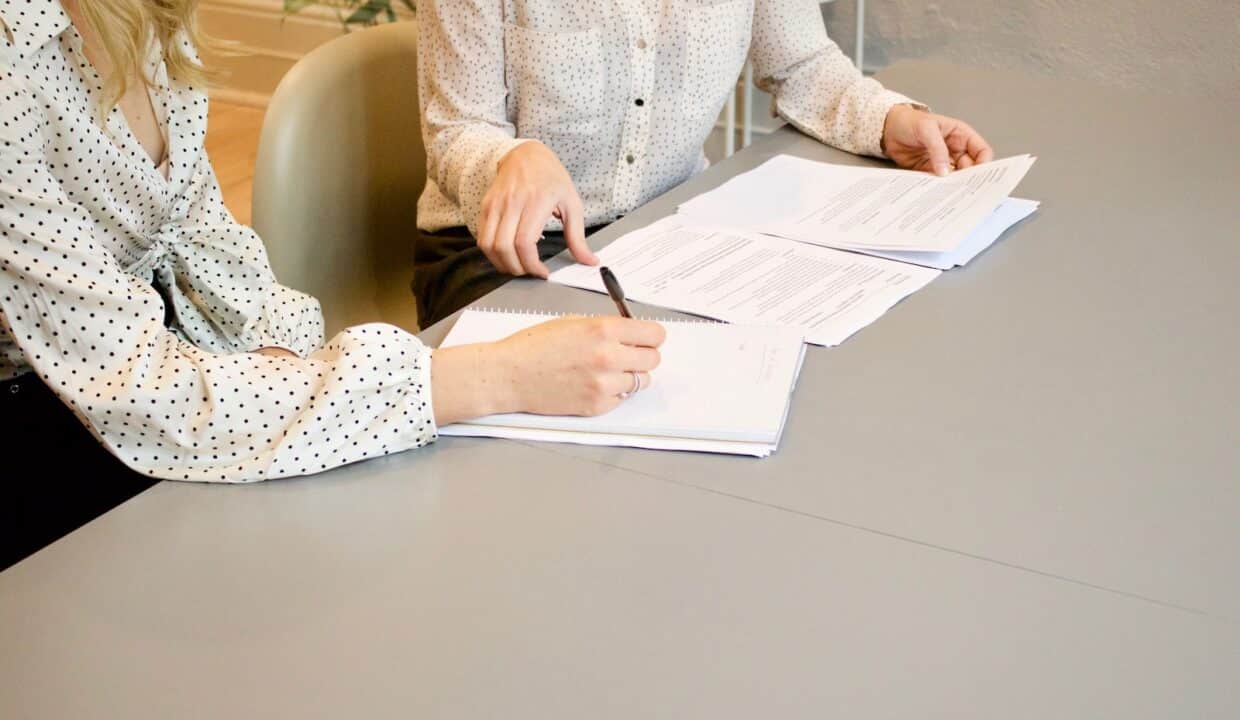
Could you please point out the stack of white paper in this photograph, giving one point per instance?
(866, 209)
(1009, 212)
(718, 388)
(747, 277)
(758, 249)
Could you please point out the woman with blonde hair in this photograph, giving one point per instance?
(142, 334)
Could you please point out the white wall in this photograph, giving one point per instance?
(1185, 45)
(1182, 46)
(1188, 46)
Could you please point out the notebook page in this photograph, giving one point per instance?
(647, 442)
(715, 382)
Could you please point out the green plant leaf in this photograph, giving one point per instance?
(367, 13)
(363, 12)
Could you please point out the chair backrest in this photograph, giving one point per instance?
(340, 166)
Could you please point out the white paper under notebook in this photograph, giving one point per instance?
(750, 278)
(860, 208)
(718, 388)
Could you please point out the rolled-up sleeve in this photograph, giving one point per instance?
(463, 93)
(816, 87)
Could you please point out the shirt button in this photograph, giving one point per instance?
(639, 102)
(641, 43)
(630, 159)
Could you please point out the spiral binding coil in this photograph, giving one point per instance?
(546, 314)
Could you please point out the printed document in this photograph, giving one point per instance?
(751, 278)
(860, 208)
(1009, 212)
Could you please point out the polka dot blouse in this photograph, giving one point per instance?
(624, 92)
(137, 299)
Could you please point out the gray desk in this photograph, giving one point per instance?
(1014, 496)
(1070, 402)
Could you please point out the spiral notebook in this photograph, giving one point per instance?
(719, 388)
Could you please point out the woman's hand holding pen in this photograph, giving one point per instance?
(567, 366)
(530, 188)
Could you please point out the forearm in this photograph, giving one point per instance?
(464, 161)
(463, 93)
(264, 415)
(850, 119)
(816, 87)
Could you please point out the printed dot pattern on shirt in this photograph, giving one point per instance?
(492, 73)
(139, 299)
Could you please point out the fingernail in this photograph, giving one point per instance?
(940, 169)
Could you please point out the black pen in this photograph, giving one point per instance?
(614, 290)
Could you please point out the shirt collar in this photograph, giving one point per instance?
(32, 24)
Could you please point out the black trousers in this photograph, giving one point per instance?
(56, 476)
(450, 271)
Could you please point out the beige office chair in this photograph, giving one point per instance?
(340, 167)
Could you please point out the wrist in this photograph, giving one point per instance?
(275, 351)
(469, 381)
(499, 373)
(522, 149)
(893, 119)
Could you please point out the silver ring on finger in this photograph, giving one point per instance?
(637, 386)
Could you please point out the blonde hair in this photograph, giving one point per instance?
(127, 27)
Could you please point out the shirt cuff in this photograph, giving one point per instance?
(420, 401)
(876, 117)
(259, 339)
(291, 320)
